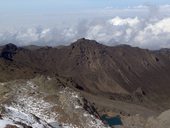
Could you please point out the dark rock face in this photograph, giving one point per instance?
(8, 51)
(11, 126)
(90, 108)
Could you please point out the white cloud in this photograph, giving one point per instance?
(117, 21)
(149, 31)
(154, 35)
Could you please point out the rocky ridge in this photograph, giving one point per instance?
(27, 104)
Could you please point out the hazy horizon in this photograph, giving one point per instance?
(138, 23)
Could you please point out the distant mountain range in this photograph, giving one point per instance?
(106, 76)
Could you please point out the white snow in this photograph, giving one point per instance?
(4, 123)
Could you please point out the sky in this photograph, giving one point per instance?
(64, 5)
(111, 22)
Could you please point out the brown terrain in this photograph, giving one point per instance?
(119, 79)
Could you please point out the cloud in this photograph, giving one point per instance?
(117, 21)
(154, 35)
(150, 31)
(133, 31)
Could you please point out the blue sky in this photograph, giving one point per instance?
(65, 5)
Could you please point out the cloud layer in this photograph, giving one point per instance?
(150, 31)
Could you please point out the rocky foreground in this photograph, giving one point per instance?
(45, 102)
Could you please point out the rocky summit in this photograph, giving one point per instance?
(84, 85)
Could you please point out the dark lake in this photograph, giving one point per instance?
(111, 121)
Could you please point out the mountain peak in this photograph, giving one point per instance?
(8, 51)
(85, 43)
(10, 46)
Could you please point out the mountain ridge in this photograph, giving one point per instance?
(119, 73)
